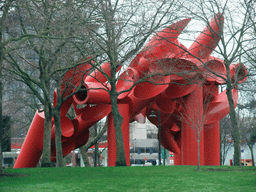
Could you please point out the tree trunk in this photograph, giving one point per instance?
(1, 95)
(221, 152)
(83, 151)
(1, 103)
(198, 150)
(96, 155)
(96, 148)
(89, 144)
(118, 119)
(224, 152)
(251, 149)
(58, 133)
(6, 6)
(223, 156)
(1, 131)
(46, 155)
(235, 130)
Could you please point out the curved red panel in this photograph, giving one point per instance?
(219, 107)
(168, 141)
(74, 77)
(32, 147)
(90, 116)
(126, 81)
(206, 42)
(67, 128)
(165, 104)
(181, 88)
(141, 117)
(238, 72)
(65, 105)
(211, 68)
(169, 33)
(154, 120)
(81, 139)
(215, 71)
(164, 38)
(99, 75)
(92, 93)
(147, 89)
(163, 50)
(135, 104)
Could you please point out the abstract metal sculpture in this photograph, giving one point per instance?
(181, 83)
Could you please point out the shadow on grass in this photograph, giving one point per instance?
(229, 169)
(13, 175)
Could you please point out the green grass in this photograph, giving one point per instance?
(151, 178)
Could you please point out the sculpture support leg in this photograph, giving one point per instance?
(212, 144)
(212, 133)
(32, 147)
(192, 125)
(124, 111)
(178, 157)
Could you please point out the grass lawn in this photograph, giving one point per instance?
(147, 178)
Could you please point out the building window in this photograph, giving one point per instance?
(149, 150)
(151, 134)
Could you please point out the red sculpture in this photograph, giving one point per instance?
(182, 84)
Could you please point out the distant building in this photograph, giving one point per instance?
(246, 157)
(144, 144)
(143, 131)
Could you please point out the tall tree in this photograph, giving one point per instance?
(247, 125)
(225, 138)
(5, 8)
(234, 45)
(54, 49)
(124, 28)
(248, 133)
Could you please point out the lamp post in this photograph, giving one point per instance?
(159, 134)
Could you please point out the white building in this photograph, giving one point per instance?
(144, 144)
(245, 155)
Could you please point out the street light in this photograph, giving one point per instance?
(159, 134)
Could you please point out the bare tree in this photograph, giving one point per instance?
(194, 119)
(93, 140)
(225, 138)
(247, 126)
(5, 8)
(124, 28)
(248, 133)
(54, 51)
(234, 45)
(55, 43)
